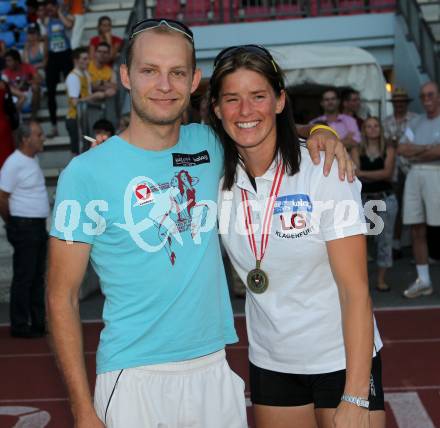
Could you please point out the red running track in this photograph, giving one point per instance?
(31, 387)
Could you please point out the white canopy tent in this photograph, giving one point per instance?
(335, 66)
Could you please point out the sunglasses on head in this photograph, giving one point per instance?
(233, 50)
(253, 49)
(149, 24)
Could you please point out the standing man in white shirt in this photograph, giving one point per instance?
(421, 197)
(24, 206)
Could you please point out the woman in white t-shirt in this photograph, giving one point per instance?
(295, 237)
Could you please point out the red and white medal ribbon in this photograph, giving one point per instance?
(267, 223)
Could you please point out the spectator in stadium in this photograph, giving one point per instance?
(102, 75)
(313, 344)
(78, 86)
(351, 105)
(34, 51)
(59, 56)
(6, 136)
(103, 129)
(42, 18)
(375, 159)
(345, 125)
(2, 54)
(31, 10)
(24, 82)
(77, 10)
(24, 207)
(105, 35)
(421, 197)
(395, 126)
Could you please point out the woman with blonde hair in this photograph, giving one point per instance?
(375, 160)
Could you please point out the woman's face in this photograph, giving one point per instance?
(372, 128)
(247, 107)
(32, 38)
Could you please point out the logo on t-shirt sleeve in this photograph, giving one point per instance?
(190, 159)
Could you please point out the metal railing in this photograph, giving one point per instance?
(423, 38)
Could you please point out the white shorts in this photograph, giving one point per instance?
(421, 197)
(199, 393)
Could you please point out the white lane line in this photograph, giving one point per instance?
(38, 354)
(409, 410)
(406, 308)
(411, 388)
(33, 400)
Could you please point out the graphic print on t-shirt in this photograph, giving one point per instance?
(170, 209)
(293, 216)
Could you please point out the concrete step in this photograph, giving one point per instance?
(57, 142)
(47, 127)
(54, 160)
(110, 5)
(119, 17)
(43, 114)
(435, 27)
(430, 10)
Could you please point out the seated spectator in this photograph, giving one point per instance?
(105, 35)
(351, 105)
(24, 82)
(375, 162)
(34, 51)
(102, 75)
(345, 125)
(78, 85)
(42, 18)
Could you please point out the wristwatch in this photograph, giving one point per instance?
(358, 401)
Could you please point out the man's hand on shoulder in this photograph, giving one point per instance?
(323, 140)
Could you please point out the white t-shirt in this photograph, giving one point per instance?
(22, 177)
(295, 326)
(73, 83)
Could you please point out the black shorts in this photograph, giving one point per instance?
(323, 390)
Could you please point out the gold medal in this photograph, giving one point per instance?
(257, 281)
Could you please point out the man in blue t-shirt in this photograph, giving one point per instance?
(142, 207)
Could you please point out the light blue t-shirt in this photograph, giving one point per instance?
(151, 220)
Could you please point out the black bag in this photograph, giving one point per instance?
(10, 109)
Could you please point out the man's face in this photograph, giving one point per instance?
(41, 11)
(102, 55)
(330, 102)
(105, 26)
(353, 103)
(430, 98)
(400, 107)
(83, 61)
(36, 139)
(160, 78)
(51, 10)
